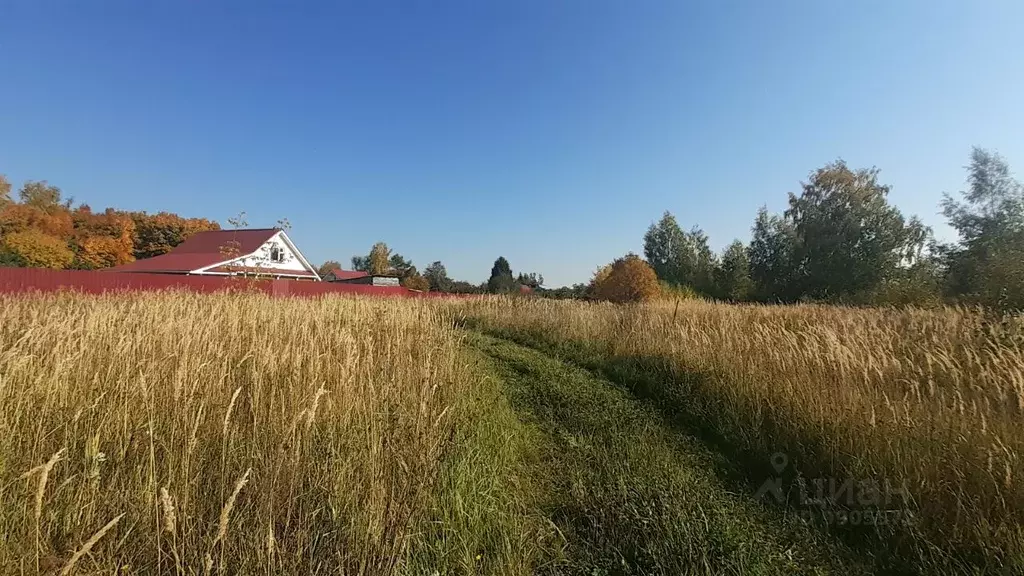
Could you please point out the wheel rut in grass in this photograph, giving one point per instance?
(630, 495)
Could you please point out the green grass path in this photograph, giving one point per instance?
(628, 494)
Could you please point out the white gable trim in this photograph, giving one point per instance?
(284, 274)
(287, 241)
(204, 269)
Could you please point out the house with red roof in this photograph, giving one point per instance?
(360, 277)
(339, 275)
(262, 251)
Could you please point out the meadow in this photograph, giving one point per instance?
(914, 413)
(242, 434)
(239, 434)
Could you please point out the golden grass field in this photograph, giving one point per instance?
(928, 400)
(232, 434)
(241, 434)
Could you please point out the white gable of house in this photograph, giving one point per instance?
(277, 253)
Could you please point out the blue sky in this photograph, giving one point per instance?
(550, 132)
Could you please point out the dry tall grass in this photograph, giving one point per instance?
(232, 434)
(239, 434)
(932, 400)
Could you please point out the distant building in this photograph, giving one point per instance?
(339, 275)
(261, 252)
(359, 277)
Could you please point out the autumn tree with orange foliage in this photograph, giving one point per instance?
(103, 240)
(42, 230)
(34, 249)
(34, 232)
(5, 191)
(157, 234)
(600, 275)
(628, 279)
(17, 217)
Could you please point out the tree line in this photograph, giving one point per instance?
(841, 241)
(42, 229)
(381, 261)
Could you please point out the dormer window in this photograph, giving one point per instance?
(276, 254)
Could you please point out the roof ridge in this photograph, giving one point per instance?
(241, 230)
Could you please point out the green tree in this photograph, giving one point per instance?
(328, 266)
(850, 239)
(437, 277)
(381, 261)
(361, 263)
(533, 280)
(772, 258)
(400, 267)
(157, 234)
(701, 263)
(41, 195)
(576, 291)
(463, 287)
(501, 280)
(416, 282)
(665, 244)
(732, 276)
(677, 257)
(986, 266)
(378, 262)
(916, 284)
(9, 259)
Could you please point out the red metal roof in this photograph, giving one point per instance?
(348, 274)
(30, 280)
(214, 241)
(203, 249)
(262, 270)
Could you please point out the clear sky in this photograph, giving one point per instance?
(552, 132)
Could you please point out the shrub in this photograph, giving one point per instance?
(670, 292)
(416, 282)
(629, 280)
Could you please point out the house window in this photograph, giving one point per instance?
(276, 254)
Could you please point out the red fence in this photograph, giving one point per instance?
(16, 280)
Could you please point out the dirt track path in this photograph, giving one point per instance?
(629, 494)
